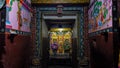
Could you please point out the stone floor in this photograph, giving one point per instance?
(62, 63)
(57, 66)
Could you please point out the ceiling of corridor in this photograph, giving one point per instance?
(59, 1)
(66, 20)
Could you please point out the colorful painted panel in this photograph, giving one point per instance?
(18, 16)
(60, 42)
(100, 15)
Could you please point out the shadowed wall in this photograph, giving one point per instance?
(17, 53)
(103, 52)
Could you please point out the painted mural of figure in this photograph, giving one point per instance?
(54, 46)
(60, 49)
(67, 46)
(19, 16)
(60, 40)
(9, 4)
(99, 22)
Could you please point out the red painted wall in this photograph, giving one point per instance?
(17, 53)
(104, 52)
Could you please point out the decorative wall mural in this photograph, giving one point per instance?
(60, 42)
(60, 1)
(100, 15)
(18, 16)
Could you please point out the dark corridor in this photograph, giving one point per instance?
(59, 34)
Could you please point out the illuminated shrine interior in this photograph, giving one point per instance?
(59, 34)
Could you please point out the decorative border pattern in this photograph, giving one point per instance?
(39, 11)
(81, 30)
(38, 33)
(38, 28)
